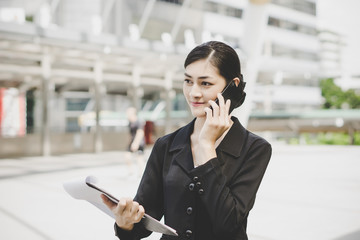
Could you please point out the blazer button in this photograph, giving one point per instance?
(196, 179)
(189, 210)
(188, 233)
(198, 184)
(191, 186)
(201, 191)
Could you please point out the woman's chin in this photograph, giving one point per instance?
(198, 112)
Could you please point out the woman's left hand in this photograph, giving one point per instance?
(217, 121)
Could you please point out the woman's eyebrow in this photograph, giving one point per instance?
(201, 77)
(187, 75)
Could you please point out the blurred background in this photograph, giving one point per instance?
(70, 68)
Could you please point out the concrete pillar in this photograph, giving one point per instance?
(107, 15)
(351, 132)
(179, 19)
(169, 95)
(119, 27)
(145, 16)
(98, 92)
(255, 24)
(54, 8)
(136, 91)
(45, 93)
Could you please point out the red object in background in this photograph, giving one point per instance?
(1, 106)
(22, 113)
(148, 132)
(12, 113)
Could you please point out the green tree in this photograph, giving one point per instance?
(335, 97)
(353, 98)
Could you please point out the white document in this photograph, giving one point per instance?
(86, 189)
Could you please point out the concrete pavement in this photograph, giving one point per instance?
(308, 193)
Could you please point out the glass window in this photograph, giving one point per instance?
(76, 104)
(291, 26)
(281, 51)
(173, 1)
(72, 125)
(223, 9)
(302, 6)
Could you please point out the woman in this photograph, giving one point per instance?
(202, 178)
(136, 145)
(137, 141)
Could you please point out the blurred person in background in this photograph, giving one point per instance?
(202, 178)
(135, 151)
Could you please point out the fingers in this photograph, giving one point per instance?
(221, 99)
(208, 111)
(224, 106)
(215, 108)
(227, 105)
(128, 212)
(140, 214)
(227, 111)
(134, 208)
(125, 206)
(136, 211)
(221, 110)
(110, 204)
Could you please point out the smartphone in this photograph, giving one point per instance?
(235, 93)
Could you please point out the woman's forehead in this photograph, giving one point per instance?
(200, 68)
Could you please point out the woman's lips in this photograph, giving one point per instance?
(197, 104)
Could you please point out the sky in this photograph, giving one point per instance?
(343, 17)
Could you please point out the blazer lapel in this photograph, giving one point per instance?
(232, 144)
(182, 148)
(234, 140)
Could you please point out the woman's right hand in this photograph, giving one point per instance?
(127, 212)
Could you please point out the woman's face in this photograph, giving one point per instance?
(202, 83)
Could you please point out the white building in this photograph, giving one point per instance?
(104, 53)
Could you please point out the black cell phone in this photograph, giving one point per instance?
(235, 93)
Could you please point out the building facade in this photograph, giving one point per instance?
(76, 57)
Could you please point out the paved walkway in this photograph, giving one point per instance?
(308, 193)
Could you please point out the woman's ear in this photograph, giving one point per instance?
(237, 81)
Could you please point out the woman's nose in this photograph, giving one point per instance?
(195, 91)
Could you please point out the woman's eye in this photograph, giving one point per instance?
(187, 81)
(206, 84)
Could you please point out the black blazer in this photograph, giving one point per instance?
(211, 201)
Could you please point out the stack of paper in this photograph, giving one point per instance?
(87, 189)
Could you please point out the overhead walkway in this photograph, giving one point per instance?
(70, 59)
(324, 120)
(57, 60)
